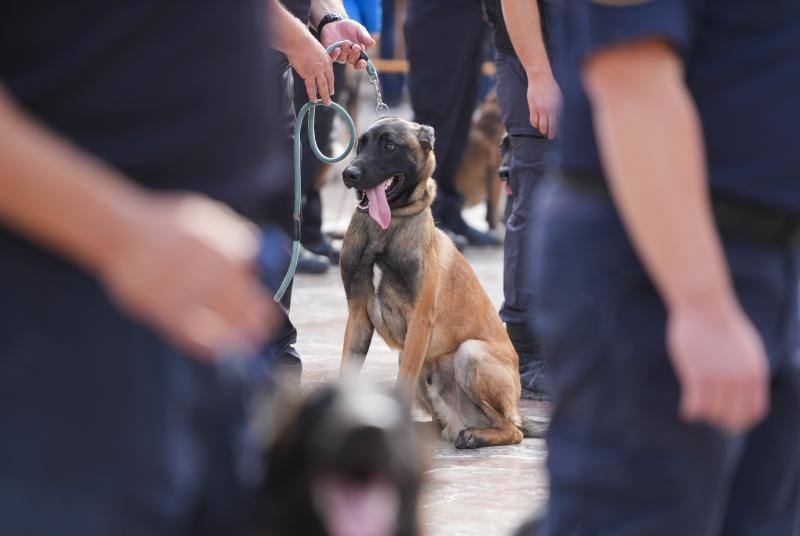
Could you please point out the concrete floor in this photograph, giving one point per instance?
(483, 492)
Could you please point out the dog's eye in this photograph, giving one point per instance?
(388, 146)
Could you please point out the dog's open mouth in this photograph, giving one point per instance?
(376, 200)
(354, 508)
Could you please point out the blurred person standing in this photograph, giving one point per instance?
(127, 130)
(529, 99)
(445, 47)
(296, 48)
(666, 262)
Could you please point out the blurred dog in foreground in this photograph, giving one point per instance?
(344, 461)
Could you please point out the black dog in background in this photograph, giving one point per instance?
(346, 461)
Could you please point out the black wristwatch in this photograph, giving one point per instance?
(327, 19)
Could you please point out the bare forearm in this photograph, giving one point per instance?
(524, 28)
(57, 195)
(286, 30)
(650, 140)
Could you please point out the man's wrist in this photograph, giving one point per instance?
(121, 224)
(711, 298)
(328, 18)
(537, 69)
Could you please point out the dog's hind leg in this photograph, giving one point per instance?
(490, 383)
(357, 338)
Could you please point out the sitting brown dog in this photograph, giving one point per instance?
(405, 279)
(477, 179)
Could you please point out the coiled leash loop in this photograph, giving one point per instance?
(309, 109)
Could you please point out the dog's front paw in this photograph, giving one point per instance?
(467, 439)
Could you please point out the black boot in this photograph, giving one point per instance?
(447, 213)
(533, 374)
(289, 368)
(325, 247)
(310, 263)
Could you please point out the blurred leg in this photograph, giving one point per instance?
(765, 498)
(282, 351)
(620, 459)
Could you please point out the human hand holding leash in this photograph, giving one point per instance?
(357, 37)
(309, 58)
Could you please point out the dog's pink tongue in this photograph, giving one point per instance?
(358, 509)
(379, 206)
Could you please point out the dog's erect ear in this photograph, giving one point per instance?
(425, 136)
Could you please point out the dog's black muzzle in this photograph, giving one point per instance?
(351, 176)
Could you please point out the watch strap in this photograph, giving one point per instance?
(327, 19)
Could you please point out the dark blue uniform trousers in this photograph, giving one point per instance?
(621, 462)
(105, 429)
(528, 149)
(444, 42)
(282, 352)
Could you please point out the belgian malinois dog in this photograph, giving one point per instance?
(405, 279)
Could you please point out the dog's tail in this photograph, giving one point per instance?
(532, 428)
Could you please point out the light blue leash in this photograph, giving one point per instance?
(309, 109)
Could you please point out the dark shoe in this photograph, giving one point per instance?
(327, 248)
(283, 366)
(536, 382)
(478, 238)
(455, 223)
(447, 213)
(533, 374)
(289, 368)
(311, 263)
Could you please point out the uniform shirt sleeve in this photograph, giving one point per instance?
(606, 23)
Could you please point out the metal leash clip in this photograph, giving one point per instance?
(382, 109)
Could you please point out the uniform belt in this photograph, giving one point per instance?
(735, 218)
